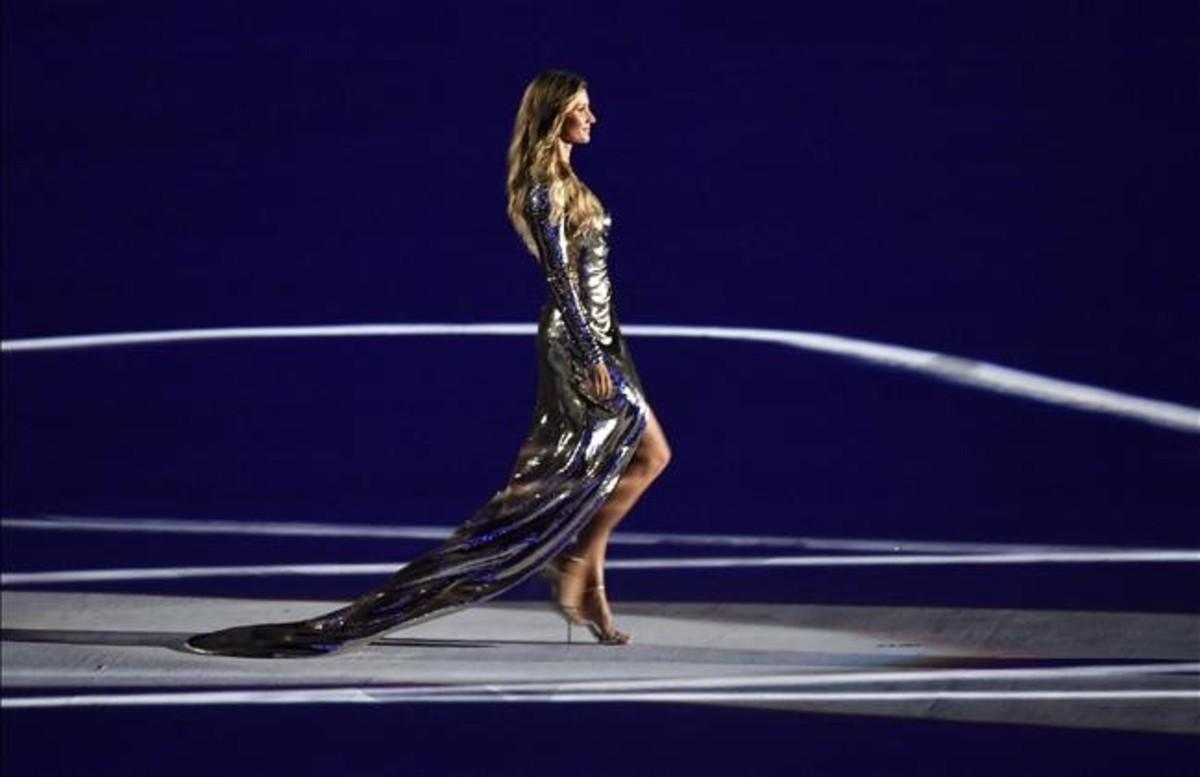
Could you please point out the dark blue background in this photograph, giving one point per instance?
(1013, 182)
(1001, 180)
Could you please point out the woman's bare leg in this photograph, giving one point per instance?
(649, 460)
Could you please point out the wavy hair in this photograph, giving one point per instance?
(534, 157)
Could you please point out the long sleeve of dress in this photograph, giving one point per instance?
(551, 242)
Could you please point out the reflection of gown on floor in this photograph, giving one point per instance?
(575, 451)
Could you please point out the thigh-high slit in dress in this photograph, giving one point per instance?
(577, 447)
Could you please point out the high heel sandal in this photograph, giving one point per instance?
(611, 636)
(571, 612)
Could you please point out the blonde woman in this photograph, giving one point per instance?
(592, 449)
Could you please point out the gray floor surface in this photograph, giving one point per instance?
(1118, 671)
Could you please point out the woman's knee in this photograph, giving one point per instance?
(652, 457)
(659, 460)
(654, 448)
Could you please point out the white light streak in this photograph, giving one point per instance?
(382, 695)
(159, 573)
(955, 369)
(413, 532)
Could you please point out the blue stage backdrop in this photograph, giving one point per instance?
(1010, 182)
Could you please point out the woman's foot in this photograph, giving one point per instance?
(599, 615)
(581, 600)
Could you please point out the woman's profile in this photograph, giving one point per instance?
(593, 446)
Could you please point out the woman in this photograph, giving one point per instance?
(593, 447)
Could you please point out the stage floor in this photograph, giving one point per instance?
(1098, 670)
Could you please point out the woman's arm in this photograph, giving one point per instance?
(552, 243)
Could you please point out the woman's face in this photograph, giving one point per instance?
(577, 127)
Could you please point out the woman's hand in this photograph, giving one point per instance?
(602, 383)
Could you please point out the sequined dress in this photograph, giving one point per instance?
(574, 453)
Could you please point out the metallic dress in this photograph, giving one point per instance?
(576, 450)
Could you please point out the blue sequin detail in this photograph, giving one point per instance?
(549, 238)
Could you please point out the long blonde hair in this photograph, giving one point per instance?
(533, 157)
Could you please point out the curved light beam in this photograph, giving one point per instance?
(322, 570)
(953, 369)
(355, 695)
(415, 532)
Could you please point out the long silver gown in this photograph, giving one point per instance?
(576, 449)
